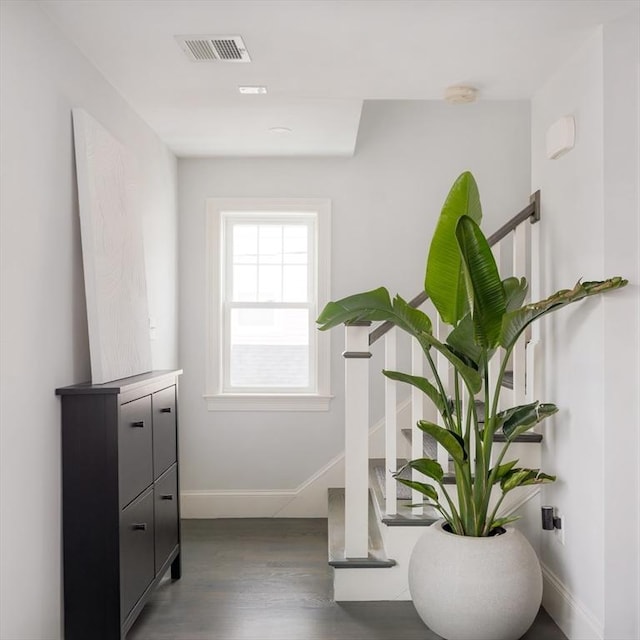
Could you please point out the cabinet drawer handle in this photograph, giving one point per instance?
(138, 423)
(166, 496)
(165, 410)
(139, 526)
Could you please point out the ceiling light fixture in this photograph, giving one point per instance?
(460, 94)
(280, 130)
(252, 91)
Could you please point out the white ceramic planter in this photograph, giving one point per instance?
(468, 588)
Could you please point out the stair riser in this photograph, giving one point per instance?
(380, 584)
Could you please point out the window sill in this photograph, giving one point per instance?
(267, 402)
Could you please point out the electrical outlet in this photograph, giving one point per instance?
(560, 531)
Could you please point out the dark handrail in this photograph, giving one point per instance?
(531, 212)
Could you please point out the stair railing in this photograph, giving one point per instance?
(515, 236)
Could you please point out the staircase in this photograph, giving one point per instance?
(374, 522)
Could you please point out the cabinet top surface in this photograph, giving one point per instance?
(119, 386)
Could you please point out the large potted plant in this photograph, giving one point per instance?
(457, 565)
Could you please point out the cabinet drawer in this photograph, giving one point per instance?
(135, 459)
(136, 551)
(166, 512)
(164, 430)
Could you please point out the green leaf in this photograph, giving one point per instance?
(523, 477)
(374, 306)
(428, 467)
(371, 305)
(426, 387)
(425, 489)
(502, 470)
(461, 338)
(451, 441)
(444, 281)
(518, 420)
(515, 322)
(515, 291)
(483, 284)
(469, 374)
(462, 341)
(506, 414)
(500, 522)
(411, 320)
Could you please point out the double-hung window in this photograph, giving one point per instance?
(269, 276)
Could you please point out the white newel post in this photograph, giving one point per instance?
(356, 447)
(390, 420)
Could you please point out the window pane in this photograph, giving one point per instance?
(245, 283)
(294, 283)
(245, 244)
(269, 348)
(295, 244)
(270, 244)
(270, 280)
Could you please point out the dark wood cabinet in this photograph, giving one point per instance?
(121, 507)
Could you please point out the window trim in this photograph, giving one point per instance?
(216, 399)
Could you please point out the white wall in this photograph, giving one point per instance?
(589, 229)
(44, 331)
(621, 68)
(385, 203)
(571, 233)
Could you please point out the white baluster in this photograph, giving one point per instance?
(533, 348)
(518, 357)
(391, 433)
(442, 365)
(472, 434)
(494, 364)
(357, 440)
(417, 413)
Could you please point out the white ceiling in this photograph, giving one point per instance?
(319, 59)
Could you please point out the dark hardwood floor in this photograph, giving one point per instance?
(268, 579)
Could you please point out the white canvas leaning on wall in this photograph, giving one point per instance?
(112, 254)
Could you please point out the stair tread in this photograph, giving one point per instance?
(377, 479)
(430, 452)
(405, 515)
(377, 558)
(507, 380)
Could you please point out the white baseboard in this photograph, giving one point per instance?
(571, 615)
(232, 503)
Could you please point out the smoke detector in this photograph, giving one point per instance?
(214, 48)
(460, 94)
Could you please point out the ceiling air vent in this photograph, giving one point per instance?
(211, 48)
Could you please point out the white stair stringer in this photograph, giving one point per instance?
(380, 584)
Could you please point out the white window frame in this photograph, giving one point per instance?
(317, 211)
